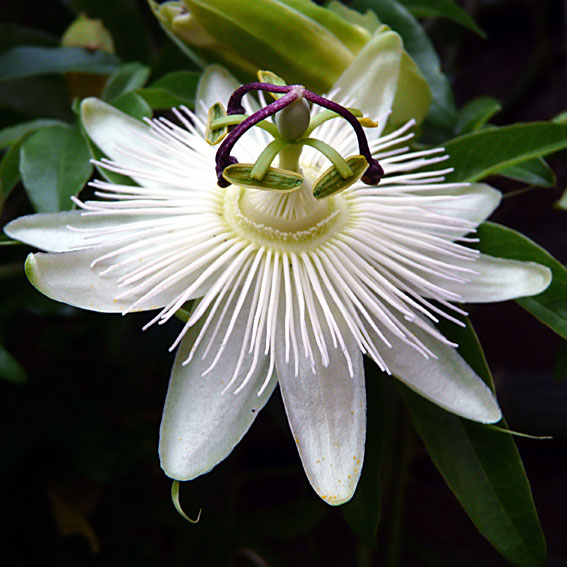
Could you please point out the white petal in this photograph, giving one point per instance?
(448, 382)
(69, 278)
(51, 232)
(200, 424)
(498, 279)
(476, 202)
(120, 137)
(326, 409)
(216, 85)
(370, 81)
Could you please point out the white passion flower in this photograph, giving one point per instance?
(297, 271)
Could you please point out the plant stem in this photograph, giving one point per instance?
(404, 460)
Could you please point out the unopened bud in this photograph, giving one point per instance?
(88, 34)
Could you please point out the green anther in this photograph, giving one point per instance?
(273, 79)
(266, 158)
(214, 134)
(342, 167)
(331, 182)
(275, 179)
(325, 115)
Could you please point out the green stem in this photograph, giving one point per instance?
(325, 115)
(235, 119)
(289, 157)
(405, 457)
(331, 154)
(266, 158)
(364, 555)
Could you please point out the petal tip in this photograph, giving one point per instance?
(31, 269)
(337, 499)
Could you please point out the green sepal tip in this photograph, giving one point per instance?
(331, 182)
(275, 179)
(213, 134)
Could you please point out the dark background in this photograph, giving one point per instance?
(81, 483)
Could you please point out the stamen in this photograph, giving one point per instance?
(294, 93)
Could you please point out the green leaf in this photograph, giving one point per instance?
(10, 170)
(561, 118)
(44, 97)
(482, 467)
(441, 9)
(442, 111)
(562, 202)
(533, 172)
(476, 114)
(10, 369)
(485, 152)
(12, 35)
(54, 164)
(174, 89)
(550, 306)
(13, 134)
(127, 78)
(22, 62)
(560, 369)
(133, 105)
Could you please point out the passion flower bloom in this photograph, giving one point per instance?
(288, 287)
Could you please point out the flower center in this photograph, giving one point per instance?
(284, 221)
(284, 206)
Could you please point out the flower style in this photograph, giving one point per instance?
(289, 288)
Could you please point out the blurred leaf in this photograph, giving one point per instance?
(12, 134)
(362, 512)
(561, 118)
(54, 164)
(12, 35)
(44, 97)
(10, 170)
(533, 172)
(441, 9)
(22, 62)
(560, 369)
(418, 45)
(70, 521)
(550, 306)
(481, 466)
(484, 152)
(10, 369)
(476, 114)
(174, 89)
(134, 105)
(126, 22)
(127, 78)
(562, 203)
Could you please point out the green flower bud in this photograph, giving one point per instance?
(92, 35)
(297, 39)
(89, 34)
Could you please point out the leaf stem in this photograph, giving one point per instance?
(404, 460)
